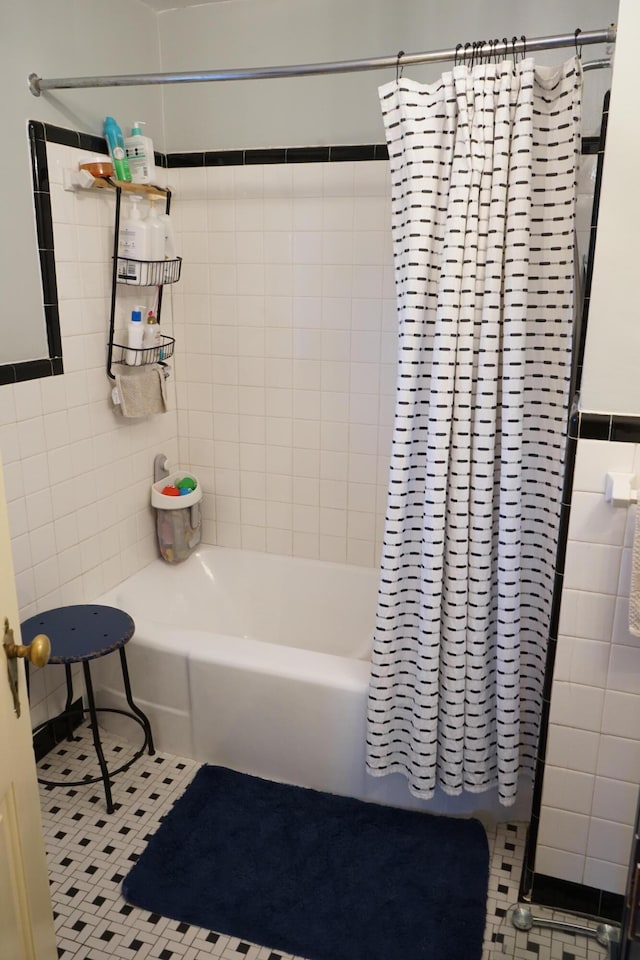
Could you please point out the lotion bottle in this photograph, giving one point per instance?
(135, 337)
(152, 337)
(140, 155)
(134, 244)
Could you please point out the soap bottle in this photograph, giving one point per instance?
(140, 155)
(156, 234)
(152, 338)
(134, 244)
(135, 336)
(115, 142)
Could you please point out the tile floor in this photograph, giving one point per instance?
(90, 852)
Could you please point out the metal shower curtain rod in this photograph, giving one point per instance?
(512, 47)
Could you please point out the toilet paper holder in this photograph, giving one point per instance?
(620, 489)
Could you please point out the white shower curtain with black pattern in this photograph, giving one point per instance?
(483, 168)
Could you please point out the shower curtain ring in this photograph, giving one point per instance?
(578, 46)
(399, 69)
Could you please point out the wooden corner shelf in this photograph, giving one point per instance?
(147, 189)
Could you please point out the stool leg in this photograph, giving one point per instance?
(136, 709)
(67, 706)
(96, 735)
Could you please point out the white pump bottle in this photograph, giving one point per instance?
(140, 155)
(133, 243)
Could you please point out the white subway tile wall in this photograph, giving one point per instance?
(77, 474)
(593, 752)
(286, 325)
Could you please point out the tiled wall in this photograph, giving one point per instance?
(77, 475)
(286, 329)
(592, 767)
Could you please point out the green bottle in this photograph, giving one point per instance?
(115, 141)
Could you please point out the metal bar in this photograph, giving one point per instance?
(37, 84)
(596, 64)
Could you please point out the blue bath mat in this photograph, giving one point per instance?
(316, 875)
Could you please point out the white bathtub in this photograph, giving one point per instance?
(260, 663)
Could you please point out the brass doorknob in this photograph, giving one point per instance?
(37, 652)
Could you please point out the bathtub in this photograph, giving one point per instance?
(260, 663)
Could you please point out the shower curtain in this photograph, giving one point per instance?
(483, 168)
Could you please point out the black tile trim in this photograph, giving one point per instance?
(185, 159)
(590, 145)
(608, 426)
(55, 731)
(222, 158)
(52, 365)
(68, 138)
(30, 370)
(576, 898)
(594, 426)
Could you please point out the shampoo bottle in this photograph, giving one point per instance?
(139, 151)
(113, 136)
(133, 243)
(156, 234)
(135, 337)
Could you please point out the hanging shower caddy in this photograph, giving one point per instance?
(139, 273)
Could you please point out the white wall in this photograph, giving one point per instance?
(610, 381)
(66, 38)
(333, 109)
(286, 322)
(593, 752)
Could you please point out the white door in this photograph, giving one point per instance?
(26, 920)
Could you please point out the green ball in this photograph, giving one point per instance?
(188, 482)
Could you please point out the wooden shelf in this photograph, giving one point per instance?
(148, 189)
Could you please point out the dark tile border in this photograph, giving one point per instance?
(576, 898)
(612, 427)
(331, 154)
(52, 365)
(235, 158)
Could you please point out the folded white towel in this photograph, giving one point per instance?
(634, 591)
(141, 390)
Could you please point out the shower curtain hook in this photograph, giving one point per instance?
(506, 48)
(481, 53)
(514, 40)
(578, 46)
(524, 46)
(455, 59)
(464, 52)
(399, 69)
(494, 50)
(474, 47)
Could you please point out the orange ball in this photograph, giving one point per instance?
(171, 492)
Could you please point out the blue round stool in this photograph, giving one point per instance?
(79, 634)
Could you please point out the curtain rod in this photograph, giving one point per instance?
(38, 84)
